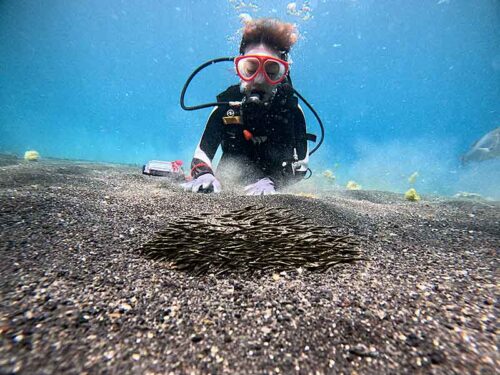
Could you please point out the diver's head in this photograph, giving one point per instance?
(263, 62)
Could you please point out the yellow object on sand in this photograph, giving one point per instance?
(412, 195)
(329, 174)
(352, 185)
(31, 155)
(413, 178)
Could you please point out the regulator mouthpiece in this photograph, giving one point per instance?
(254, 99)
(254, 103)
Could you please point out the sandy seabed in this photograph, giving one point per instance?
(76, 295)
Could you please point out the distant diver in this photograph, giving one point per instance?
(487, 147)
(258, 122)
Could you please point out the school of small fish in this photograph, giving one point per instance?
(249, 239)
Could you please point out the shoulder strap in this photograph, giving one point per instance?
(311, 137)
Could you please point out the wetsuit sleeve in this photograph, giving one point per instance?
(210, 141)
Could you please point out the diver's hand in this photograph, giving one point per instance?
(264, 186)
(204, 183)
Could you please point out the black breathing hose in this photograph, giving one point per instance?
(188, 81)
(317, 118)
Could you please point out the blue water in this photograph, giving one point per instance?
(402, 86)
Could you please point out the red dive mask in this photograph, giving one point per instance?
(249, 66)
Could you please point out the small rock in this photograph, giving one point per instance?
(437, 357)
(362, 351)
(109, 355)
(83, 318)
(196, 338)
(268, 313)
(412, 340)
(265, 330)
(18, 338)
(115, 315)
(421, 287)
(125, 307)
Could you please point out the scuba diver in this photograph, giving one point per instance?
(258, 123)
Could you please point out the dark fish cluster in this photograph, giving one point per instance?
(250, 239)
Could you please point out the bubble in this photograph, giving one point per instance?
(245, 18)
(304, 11)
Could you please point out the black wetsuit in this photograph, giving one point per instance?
(258, 142)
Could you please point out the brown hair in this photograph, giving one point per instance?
(273, 33)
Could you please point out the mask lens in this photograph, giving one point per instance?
(274, 70)
(247, 67)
